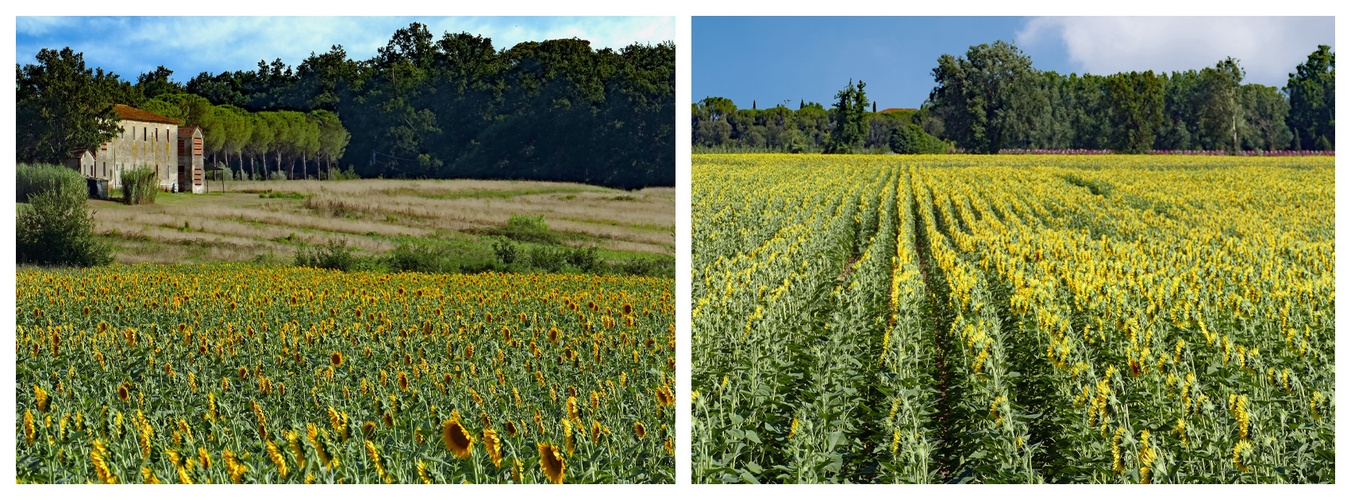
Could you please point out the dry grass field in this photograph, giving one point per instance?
(272, 220)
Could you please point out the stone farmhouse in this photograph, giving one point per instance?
(150, 140)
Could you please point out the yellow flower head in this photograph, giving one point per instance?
(552, 463)
(458, 441)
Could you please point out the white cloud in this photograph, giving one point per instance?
(1268, 48)
(39, 25)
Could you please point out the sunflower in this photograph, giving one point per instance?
(422, 472)
(551, 462)
(389, 420)
(28, 429)
(664, 396)
(494, 446)
(98, 455)
(44, 402)
(640, 430)
(568, 436)
(122, 392)
(511, 428)
(335, 359)
(458, 441)
(368, 429)
(516, 471)
(572, 408)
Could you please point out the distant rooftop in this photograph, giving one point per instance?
(129, 113)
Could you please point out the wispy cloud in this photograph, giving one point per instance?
(1268, 47)
(189, 45)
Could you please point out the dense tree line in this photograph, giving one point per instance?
(453, 107)
(848, 127)
(992, 98)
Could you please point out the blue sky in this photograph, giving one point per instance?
(130, 46)
(775, 59)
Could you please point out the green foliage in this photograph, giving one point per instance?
(910, 139)
(850, 107)
(36, 178)
(455, 106)
(988, 98)
(656, 265)
(1221, 110)
(63, 107)
(339, 174)
(422, 257)
(334, 255)
(506, 251)
(1312, 91)
(1137, 105)
(56, 228)
(139, 186)
(527, 228)
(561, 259)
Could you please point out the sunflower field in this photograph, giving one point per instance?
(1013, 319)
(244, 374)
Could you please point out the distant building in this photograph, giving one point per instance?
(191, 175)
(150, 140)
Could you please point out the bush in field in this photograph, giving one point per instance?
(527, 228)
(506, 251)
(335, 255)
(34, 179)
(139, 186)
(910, 139)
(558, 259)
(658, 265)
(421, 258)
(57, 228)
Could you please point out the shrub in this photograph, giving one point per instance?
(421, 258)
(139, 186)
(338, 174)
(57, 228)
(558, 259)
(335, 255)
(548, 259)
(33, 179)
(910, 139)
(527, 228)
(276, 175)
(585, 259)
(659, 265)
(506, 251)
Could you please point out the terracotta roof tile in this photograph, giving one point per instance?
(186, 131)
(129, 113)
